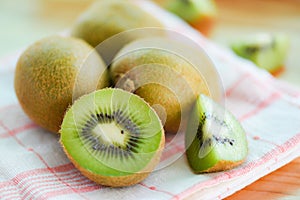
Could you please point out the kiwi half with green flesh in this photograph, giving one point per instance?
(265, 50)
(106, 18)
(113, 137)
(214, 139)
(51, 73)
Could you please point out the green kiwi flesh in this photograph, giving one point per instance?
(214, 140)
(113, 137)
(265, 50)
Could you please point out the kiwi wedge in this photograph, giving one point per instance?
(214, 139)
(113, 137)
(267, 51)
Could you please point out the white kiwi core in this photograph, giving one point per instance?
(110, 133)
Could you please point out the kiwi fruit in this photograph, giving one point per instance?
(161, 77)
(113, 137)
(214, 139)
(54, 71)
(267, 51)
(106, 18)
(198, 13)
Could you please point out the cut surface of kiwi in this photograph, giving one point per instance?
(215, 140)
(267, 51)
(113, 137)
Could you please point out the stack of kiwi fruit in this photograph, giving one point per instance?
(110, 127)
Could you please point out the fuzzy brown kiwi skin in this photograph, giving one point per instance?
(107, 18)
(154, 93)
(45, 76)
(121, 181)
(223, 165)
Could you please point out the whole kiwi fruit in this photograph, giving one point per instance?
(106, 18)
(54, 71)
(113, 137)
(165, 79)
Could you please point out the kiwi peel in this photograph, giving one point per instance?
(47, 73)
(113, 137)
(106, 18)
(161, 77)
(215, 140)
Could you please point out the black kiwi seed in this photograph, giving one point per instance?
(208, 141)
(111, 150)
(96, 146)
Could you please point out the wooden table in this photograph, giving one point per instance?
(283, 183)
(23, 23)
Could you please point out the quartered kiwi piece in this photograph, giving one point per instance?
(113, 137)
(215, 140)
(267, 51)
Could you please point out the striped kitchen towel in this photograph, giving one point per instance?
(34, 166)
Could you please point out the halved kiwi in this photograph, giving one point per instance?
(113, 137)
(215, 140)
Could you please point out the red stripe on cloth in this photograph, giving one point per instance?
(84, 189)
(11, 196)
(40, 158)
(19, 177)
(35, 172)
(44, 192)
(261, 106)
(273, 154)
(236, 84)
(32, 174)
(34, 186)
(41, 192)
(254, 137)
(21, 129)
(172, 150)
(26, 181)
(285, 87)
(224, 58)
(156, 190)
(7, 192)
(55, 174)
(11, 134)
(174, 145)
(32, 189)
